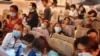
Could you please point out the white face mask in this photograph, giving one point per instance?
(43, 26)
(85, 54)
(12, 14)
(57, 29)
(72, 9)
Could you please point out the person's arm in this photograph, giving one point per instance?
(5, 41)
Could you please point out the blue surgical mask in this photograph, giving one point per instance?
(16, 33)
(53, 53)
(12, 14)
(10, 52)
(24, 46)
(57, 29)
(38, 54)
(85, 54)
(43, 26)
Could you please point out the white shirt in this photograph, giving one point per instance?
(54, 15)
(73, 13)
(9, 42)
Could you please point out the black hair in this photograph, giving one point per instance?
(8, 16)
(84, 10)
(41, 43)
(74, 6)
(15, 7)
(92, 30)
(34, 5)
(28, 38)
(88, 42)
(93, 11)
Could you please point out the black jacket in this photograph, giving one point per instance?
(33, 22)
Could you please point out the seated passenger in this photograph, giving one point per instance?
(42, 48)
(43, 28)
(26, 48)
(86, 46)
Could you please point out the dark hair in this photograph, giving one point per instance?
(8, 16)
(28, 38)
(15, 7)
(67, 6)
(41, 43)
(34, 5)
(93, 11)
(45, 1)
(88, 42)
(68, 19)
(92, 30)
(24, 15)
(84, 10)
(74, 6)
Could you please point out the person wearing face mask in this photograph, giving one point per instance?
(14, 16)
(26, 48)
(73, 12)
(86, 46)
(57, 28)
(33, 16)
(12, 40)
(43, 29)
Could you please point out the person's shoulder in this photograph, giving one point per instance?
(9, 34)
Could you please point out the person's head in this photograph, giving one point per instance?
(66, 21)
(73, 7)
(33, 5)
(92, 13)
(13, 10)
(78, 23)
(17, 30)
(88, 21)
(54, 4)
(82, 9)
(92, 33)
(67, 6)
(27, 40)
(45, 24)
(41, 44)
(57, 28)
(45, 2)
(86, 46)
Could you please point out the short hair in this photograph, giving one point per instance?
(28, 38)
(15, 7)
(40, 43)
(88, 42)
(34, 5)
(92, 30)
(74, 6)
(93, 11)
